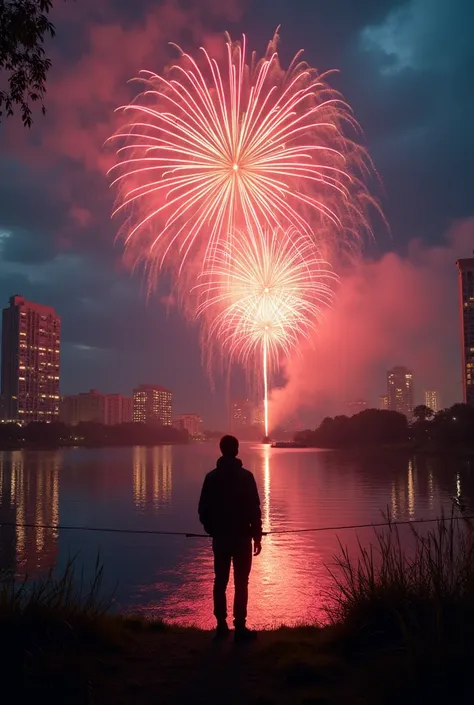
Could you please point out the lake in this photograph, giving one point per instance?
(158, 488)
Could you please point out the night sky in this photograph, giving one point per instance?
(406, 68)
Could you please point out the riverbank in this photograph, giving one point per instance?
(407, 448)
(51, 436)
(400, 631)
(135, 663)
(357, 450)
(92, 445)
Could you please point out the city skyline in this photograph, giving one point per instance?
(59, 250)
(400, 392)
(433, 400)
(95, 407)
(27, 323)
(153, 403)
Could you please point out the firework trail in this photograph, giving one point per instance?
(212, 147)
(261, 294)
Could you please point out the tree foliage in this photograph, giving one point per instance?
(449, 429)
(423, 413)
(52, 435)
(369, 427)
(24, 27)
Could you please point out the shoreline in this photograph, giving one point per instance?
(132, 662)
(75, 444)
(398, 632)
(349, 450)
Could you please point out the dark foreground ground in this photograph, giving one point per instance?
(131, 663)
(402, 634)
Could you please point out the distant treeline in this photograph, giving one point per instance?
(88, 434)
(451, 428)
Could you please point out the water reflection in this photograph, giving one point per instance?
(29, 484)
(266, 488)
(411, 490)
(276, 585)
(430, 488)
(394, 502)
(152, 477)
(158, 489)
(418, 484)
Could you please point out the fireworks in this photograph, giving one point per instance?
(237, 175)
(211, 149)
(262, 293)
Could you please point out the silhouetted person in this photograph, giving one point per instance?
(229, 510)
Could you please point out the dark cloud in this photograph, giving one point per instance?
(25, 200)
(323, 29)
(406, 68)
(426, 35)
(22, 246)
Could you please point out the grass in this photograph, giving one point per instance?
(407, 615)
(400, 631)
(42, 621)
(53, 605)
(392, 594)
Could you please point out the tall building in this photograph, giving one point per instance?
(127, 409)
(383, 402)
(466, 296)
(152, 403)
(30, 361)
(400, 390)
(87, 407)
(432, 400)
(94, 407)
(113, 409)
(118, 409)
(192, 423)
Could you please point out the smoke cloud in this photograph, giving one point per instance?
(397, 310)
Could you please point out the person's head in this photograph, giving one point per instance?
(229, 446)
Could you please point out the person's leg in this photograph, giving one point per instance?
(222, 561)
(242, 559)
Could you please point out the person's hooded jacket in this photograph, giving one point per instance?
(229, 505)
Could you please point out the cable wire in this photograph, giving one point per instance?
(188, 535)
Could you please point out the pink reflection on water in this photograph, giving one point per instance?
(157, 489)
(289, 580)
